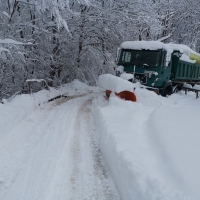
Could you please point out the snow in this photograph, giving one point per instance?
(2, 49)
(114, 83)
(148, 45)
(196, 87)
(156, 45)
(11, 41)
(49, 150)
(6, 14)
(35, 80)
(187, 59)
(87, 147)
(23, 105)
(120, 69)
(183, 48)
(151, 147)
(185, 85)
(126, 76)
(150, 73)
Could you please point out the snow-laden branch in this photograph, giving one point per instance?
(29, 3)
(6, 14)
(11, 41)
(164, 38)
(2, 49)
(35, 80)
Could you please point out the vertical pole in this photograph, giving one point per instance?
(197, 94)
(29, 88)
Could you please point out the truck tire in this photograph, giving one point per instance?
(177, 88)
(168, 91)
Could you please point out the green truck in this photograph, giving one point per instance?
(159, 66)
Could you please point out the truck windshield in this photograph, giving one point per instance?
(140, 58)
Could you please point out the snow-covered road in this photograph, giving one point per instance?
(53, 154)
(57, 150)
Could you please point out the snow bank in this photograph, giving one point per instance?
(16, 109)
(114, 83)
(151, 147)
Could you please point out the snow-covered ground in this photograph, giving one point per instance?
(86, 147)
(151, 147)
(48, 150)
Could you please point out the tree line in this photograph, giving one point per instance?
(60, 40)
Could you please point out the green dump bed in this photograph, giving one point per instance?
(187, 72)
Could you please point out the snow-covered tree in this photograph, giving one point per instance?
(66, 39)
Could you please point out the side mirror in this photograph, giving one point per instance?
(118, 54)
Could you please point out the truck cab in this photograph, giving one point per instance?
(150, 62)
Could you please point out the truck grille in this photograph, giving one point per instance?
(141, 77)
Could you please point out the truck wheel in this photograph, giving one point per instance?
(177, 88)
(168, 91)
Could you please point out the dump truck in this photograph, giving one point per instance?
(160, 67)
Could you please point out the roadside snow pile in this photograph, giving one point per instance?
(15, 109)
(196, 87)
(114, 83)
(152, 146)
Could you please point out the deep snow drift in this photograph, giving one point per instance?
(50, 150)
(152, 146)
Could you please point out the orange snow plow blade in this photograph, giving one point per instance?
(126, 95)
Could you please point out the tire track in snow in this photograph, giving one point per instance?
(89, 178)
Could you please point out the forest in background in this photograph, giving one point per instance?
(60, 40)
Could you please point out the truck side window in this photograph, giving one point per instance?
(164, 60)
(126, 57)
